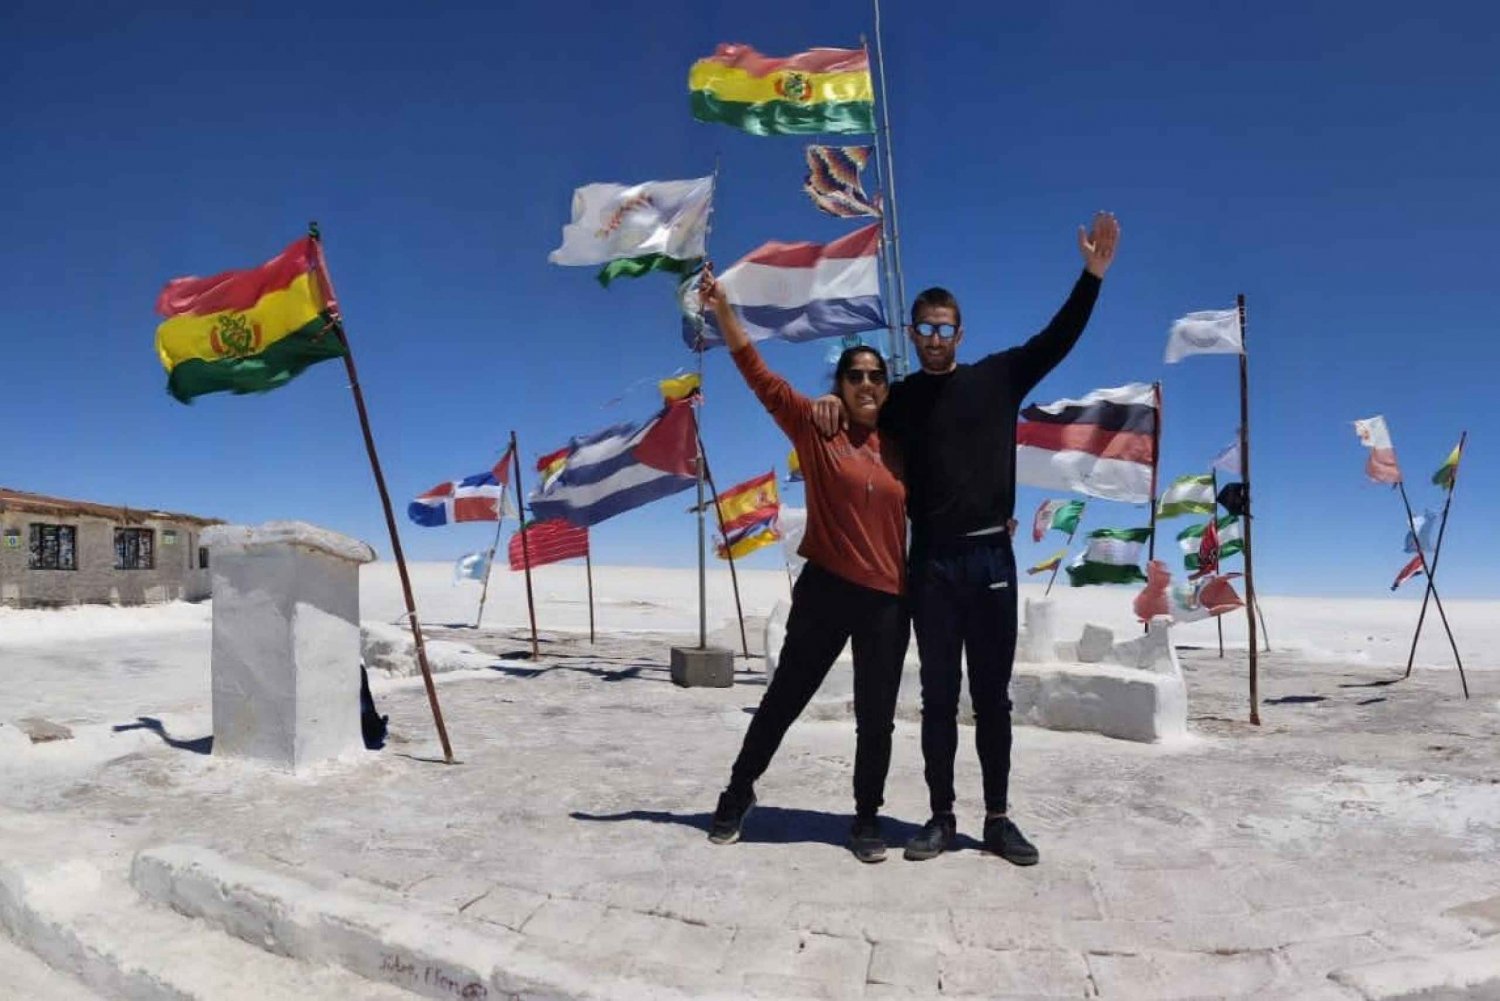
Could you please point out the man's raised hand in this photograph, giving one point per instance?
(829, 415)
(1098, 244)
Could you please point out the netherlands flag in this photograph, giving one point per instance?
(800, 291)
(480, 497)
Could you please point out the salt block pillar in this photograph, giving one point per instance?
(285, 641)
(1038, 640)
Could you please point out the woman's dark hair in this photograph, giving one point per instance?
(846, 362)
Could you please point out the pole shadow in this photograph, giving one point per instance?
(777, 825)
(203, 745)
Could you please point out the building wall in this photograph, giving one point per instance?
(175, 576)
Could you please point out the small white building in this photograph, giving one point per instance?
(55, 552)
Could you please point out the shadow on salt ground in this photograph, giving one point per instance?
(1370, 684)
(203, 745)
(647, 671)
(1295, 700)
(778, 825)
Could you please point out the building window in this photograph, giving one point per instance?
(202, 557)
(54, 547)
(134, 549)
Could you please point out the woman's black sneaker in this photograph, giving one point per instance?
(729, 816)
(1005, 839)
(865, 840)
(933, 839)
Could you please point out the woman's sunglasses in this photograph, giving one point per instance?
(873, 376)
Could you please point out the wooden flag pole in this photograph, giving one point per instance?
(1245, 478)
(331, 301)
(1437, 553)
(1214, 514)
(1436, 600)
(734, 576)
(490, 564)
(515, 455)
(1155, 461)
(588, 567)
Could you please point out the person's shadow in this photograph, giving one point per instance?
(778, 825)
(203, 745)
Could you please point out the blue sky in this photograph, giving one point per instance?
(1334, 162)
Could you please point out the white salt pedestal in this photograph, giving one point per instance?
(285, 642)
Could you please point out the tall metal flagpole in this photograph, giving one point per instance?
(698, 440)
(734, 576)
(1213, 475)
(1437, 553)
(331, 301)
(1155, 464)
(894, 308)
(1245, 478)
(889, 208)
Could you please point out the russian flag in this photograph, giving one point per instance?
(480, 497)
(801, 291)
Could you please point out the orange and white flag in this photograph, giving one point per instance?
(1381, 465)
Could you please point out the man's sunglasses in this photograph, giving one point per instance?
(944, 331)
(855, 376)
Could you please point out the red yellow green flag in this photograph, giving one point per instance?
(1447, 474)
(749, 502)
(245, 331)
(814, 92)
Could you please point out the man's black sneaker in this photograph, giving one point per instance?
(728, 818)
(933, 839)
(1005, 839)
(865, 840)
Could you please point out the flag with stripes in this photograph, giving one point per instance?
(1413, 569)
(1102, 445)
(1381, 464)
(620, 468)
(547, 542)
(1231, 540)
(1113, 556)
(481, 497)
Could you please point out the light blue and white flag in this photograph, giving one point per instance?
(474, 566)
(1427, 523)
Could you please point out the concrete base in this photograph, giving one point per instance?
(706, 667)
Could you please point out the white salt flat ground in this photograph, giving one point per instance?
(1356, 829)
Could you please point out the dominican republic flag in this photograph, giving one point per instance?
(1101, 445)
(622, 467)
(799, 291)
(480, 497)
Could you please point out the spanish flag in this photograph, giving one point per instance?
(245, 331)
(810, 93)
(749, 502)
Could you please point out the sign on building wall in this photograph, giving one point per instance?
(12, 538)
(168, 537)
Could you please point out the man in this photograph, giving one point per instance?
(956, 425)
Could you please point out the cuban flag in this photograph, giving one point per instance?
(798, 291)
(480, 497)
(620, 468)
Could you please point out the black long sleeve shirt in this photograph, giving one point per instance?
(957, 430)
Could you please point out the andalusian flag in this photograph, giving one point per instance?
(1446, 476)
(820, 91)
(1188, 495)
(1231, 540)
(636, 229)
(1113, 557)
(246, 331)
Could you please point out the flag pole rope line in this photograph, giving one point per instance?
(331, 303)
(1427, 569)
(1437, 553)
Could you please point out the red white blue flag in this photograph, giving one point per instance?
(481, 497)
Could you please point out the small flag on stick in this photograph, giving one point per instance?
(1061, 515)
(1447, 474)
(1188, 495)
(1381, 465)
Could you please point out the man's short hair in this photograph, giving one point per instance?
(938, 298)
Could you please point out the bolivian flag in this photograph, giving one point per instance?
(245, 331)
(810, 93)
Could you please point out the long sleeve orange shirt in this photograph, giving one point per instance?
(856, 506)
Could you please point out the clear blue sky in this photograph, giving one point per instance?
(1334, 162)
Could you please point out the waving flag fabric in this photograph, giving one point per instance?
(245, 331)
(621, 467)
(1113, 556)
(1188, 495)
(481, 497)
(747, 539)
(1230, 537)
(814, 92)
(800, 291)
(833, 184)
(1101, 445)
(1211, 332)
(1427, 524)
(474, 566)
(547, 542)
(746, 503)
(636, 229)
(1056, 514)
(1381, 465)
(1447, 473)
(1413, 569)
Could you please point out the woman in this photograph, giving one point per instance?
(850, 588)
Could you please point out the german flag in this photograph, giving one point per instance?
(246, 331)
